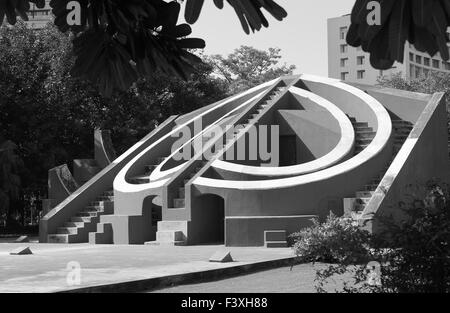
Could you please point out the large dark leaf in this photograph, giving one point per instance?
(249, 12)
(423, 23)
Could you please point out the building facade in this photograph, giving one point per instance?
(39, 18)
(353, 65)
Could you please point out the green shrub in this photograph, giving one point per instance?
(411, 257)
(336, 240)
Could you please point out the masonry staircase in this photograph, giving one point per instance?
(354, 207)
(77, 229)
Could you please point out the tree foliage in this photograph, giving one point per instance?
(11, 166)
(247, 67)
(407, 257)
(51, 115)
(119, 42)
(423, 23)
(434, 82)
(248, 11)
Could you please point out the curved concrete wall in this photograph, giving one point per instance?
(203, 198)
(413, 164)
(340, 151)
(96, 186)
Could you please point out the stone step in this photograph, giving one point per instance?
(105, 198)
(81, 219)
(99, 203)
(365, 135)
(172, 226)
(276, 244)
(402, 131)
(103, 235)
(363, 129)
(174, 243)
(87, 214)
(67, 230)
(98, 208)
(74, 224)
(109, 193)
(371, 187)
(275, 235)
(363, 142)
(364, 194)
(169, 236)
(179, 203)
(361, 124)
(401, 122)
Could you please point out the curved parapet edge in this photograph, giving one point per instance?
(419, 156)
(378, 144)
(104, 149)
(97, 185)
(159, 174)
(120, 182)
(342, 149)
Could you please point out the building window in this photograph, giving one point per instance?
(411, 56)
(426, 61)
(344, 75)
(344, 48)
(435, 63)
(343, 32)
(418, 59)
(360, 60)
(418, 72)
(361, 74)
(446, 66)
(344, 62)
(426, 72)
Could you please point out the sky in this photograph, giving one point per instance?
(302, 36)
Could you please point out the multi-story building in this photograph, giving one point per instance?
(352, 64)
(38, 18)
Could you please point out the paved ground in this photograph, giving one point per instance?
(281, 280)
(299, 279)
(46, 270)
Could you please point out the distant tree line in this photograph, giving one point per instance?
(47, 116)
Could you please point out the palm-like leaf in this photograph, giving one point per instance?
(422, 23)
(13, 8)
(249, 12)
(120, 41)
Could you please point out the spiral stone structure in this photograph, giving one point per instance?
(256, 167)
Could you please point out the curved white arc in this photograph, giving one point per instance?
(376, 146)
(120, 182)
(121, 187)
(342, 149)
(159, 174)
